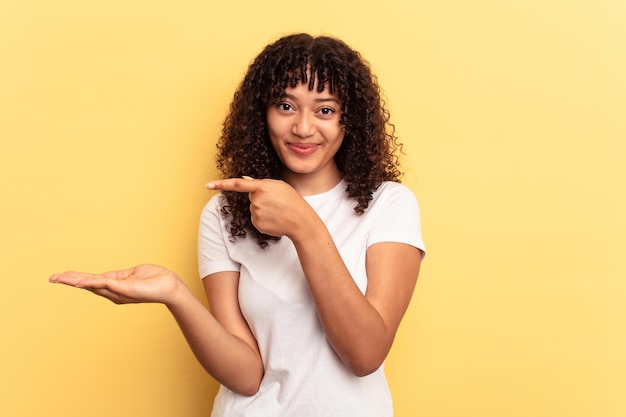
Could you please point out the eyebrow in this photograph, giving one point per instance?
(318, 100)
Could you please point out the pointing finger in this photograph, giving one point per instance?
(241, 185)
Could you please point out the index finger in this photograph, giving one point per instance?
(241, 185)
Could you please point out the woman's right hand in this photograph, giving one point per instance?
(234, 362)
(141, 284)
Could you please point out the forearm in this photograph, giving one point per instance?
(225, 357)
(353, 326)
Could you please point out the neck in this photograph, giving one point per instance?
(312, 184)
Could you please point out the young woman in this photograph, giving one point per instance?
(310, 251)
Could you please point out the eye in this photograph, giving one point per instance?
(285, 106)
(327, 111)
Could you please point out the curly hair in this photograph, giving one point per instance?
(367, 156)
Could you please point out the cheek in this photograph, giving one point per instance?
(277, 128)
(334, 132)
(272, 132)
(339, 136)
(273, 141)
(271, 120)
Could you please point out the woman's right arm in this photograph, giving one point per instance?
(220, 339)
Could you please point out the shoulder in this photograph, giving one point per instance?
(396, 216)
(212, 217)
(393, 187)
(215, 204)
(390, 192)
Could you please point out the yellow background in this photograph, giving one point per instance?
(514, 118)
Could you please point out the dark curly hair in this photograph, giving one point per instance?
(367, 156)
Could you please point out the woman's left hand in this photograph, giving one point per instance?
(277, 208)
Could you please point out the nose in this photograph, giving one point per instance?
(303, 125)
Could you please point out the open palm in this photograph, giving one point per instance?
(141, 284)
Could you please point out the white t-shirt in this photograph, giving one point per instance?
(303, 375)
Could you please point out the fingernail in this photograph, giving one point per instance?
(245, 177)
(210, 186)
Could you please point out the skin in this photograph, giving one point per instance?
(304, 129)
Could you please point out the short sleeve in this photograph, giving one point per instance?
(397, 217)
(213, 241)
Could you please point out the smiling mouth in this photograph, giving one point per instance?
(303, 149)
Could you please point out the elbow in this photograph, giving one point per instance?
(365, 370)
(249, 391)
(366, 365)
(250, 386)
(365, 358)
(247, 385)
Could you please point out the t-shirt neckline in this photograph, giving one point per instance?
(337, 190)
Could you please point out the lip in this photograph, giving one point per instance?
(303, 149)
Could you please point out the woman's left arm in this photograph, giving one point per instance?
(360, 328)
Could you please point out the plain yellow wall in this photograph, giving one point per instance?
(514, 118)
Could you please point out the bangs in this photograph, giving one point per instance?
(320, 63)
(312, 75)
(316, 77)
(309, 62)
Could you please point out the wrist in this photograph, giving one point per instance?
(310, 228)
(178, 296)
